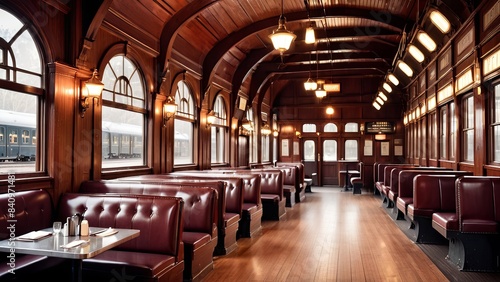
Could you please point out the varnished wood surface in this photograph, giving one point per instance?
(332, 236)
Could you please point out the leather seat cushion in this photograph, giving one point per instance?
(479, 226)
(231, 218)
(196, 239)
(136, 263)
(446, 220)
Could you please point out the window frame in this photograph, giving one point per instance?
(121, 80)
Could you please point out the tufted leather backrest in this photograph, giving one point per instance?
(200, 203)
(290, 175)
(234, 187)
(182, 180)
(300, 168)
(271, 181)
(159, 218)
(32, 210)
(478, 198)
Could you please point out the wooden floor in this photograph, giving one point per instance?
(332, 236)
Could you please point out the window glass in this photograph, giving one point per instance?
(453, 131)
(309, 127)
(21, 65)
(309, 150)
(330, 150)
(218, 132)
(351, 150)
(330, 127)
(443, 141)
(265, 148)
(468, 129)
(351, 127)
(183, 142)
(123, 85)
(184, 125)
(496, 124)
(433, 140)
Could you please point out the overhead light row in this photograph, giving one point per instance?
(402, 68)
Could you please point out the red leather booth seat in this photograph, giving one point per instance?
(234, 204)
(200, 218)
(272, 193)
(229, 191)
(156, 255)
(380, 181)
(475, 246)
(431, 193)
(300, 186)
(32, 211)
(404, 195)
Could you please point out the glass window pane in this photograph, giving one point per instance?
(330, 150)
(309, 150)
(125, 130)
(444, 135)
(26, 53)
(453, 131)
(265, 148)
(10, 25)
(496, 137)
(351, 150)
(351, 127)
(308, 127)
(183, 142)
(497, 104)
(330, 127)
(218, 137)
(17, 120)
(469, 145)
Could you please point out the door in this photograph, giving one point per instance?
(310, 157)
(328, 161)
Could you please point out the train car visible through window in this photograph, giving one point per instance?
(21, 66)
(123, 114)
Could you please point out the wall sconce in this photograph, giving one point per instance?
(93, 91)
(329, 110)
(246, 124)
(265, 130)
(297, 133)
(169, 109)
(362, 129)
(275, 133)
(210, 118)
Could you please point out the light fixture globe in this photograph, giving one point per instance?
(310, 85)
(281, 37)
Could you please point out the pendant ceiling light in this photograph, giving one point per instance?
(310, 84)
(281, 37)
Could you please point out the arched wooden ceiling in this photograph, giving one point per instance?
(226, 41)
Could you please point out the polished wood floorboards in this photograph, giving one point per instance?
(332, 236)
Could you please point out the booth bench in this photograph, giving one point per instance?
(473, 230)
(200, 218)
(156, 255)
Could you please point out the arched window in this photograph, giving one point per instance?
(219, 132)
(309, 127)
(123, 114)
(351, 127)
(184, 125)
(20, 66)
(330, 127)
